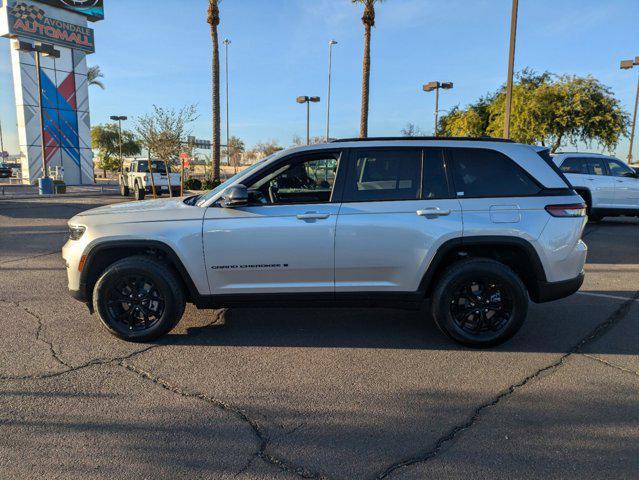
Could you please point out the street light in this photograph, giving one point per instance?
(627, 65)
(429, 87)
(226, 43)
(307, 101)
(511, 65)
(328, 98)
(45, 183)
(119, 119)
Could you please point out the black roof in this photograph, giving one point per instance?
(467, 139)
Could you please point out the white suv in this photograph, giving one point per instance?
(608, 185)
(477, 226)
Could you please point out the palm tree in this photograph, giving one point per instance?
(213, 20)
(93, 73)
(368, 19)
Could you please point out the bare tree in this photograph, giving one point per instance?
(411, 130)
(164, 131)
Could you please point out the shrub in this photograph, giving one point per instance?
(59, 187)
(193, 184)
(210, 184)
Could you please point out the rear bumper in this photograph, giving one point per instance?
(549, 291)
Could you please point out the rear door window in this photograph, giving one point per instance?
(384, 174)
(575, 165)
(488, 173)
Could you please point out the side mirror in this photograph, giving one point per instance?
(235, 196)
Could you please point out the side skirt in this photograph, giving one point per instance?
(400, 300)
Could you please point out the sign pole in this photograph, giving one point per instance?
(43, 143)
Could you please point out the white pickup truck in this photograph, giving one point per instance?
(137, 178)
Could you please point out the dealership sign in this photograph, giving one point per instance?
(94, 9)
(27, 20)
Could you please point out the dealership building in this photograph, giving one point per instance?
(52, 101)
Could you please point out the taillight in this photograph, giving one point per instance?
(570, 210)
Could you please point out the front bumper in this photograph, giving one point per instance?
(549, 291)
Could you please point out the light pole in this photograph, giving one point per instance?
(226, 43)
(307, 101)
(119, 119)
(328, 98)
(627, 65)
(511, 64)
(45, 183)
(1, 141)
(429, 87)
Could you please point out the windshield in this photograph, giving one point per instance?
(230, 181)
(158, 166)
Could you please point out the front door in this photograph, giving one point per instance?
(626, 184)
(396, 211)
(283, 241)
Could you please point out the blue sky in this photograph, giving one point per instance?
(158, 52)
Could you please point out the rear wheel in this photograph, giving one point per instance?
(139, 299)
(480, 303)
(588, 199)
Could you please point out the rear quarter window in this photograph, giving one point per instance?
(488, 173)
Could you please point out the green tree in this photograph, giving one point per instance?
(93, 76)
(547, 109)
(213, 19)
(106, 140)
(368, 19)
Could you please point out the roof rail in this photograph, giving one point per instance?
(467, 139)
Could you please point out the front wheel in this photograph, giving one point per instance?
(480, 303)
(139, 192)
(139, 299)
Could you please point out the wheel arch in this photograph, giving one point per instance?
(517, 253)
(101, 255)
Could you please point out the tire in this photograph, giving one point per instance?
(175, 192)
(139, 192)
(159, 305)
(454, 304)
(124, 190)
(588, 199)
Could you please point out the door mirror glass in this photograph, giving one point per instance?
(235, 196)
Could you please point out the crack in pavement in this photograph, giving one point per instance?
(259, 433)
(610, 364)
(29, 258)
(39, 335)
(440, 443)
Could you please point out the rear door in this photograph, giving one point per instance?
(396, 211)
(626, 184)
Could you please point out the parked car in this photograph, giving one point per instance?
(608, 185)
(137, 178)
(5, 171)
(477, 226)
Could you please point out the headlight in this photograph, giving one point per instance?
(76, 232)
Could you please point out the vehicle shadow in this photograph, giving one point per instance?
(553, 327)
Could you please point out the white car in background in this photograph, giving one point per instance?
(608, 185)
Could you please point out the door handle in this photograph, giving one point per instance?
(313, 216)
(590, 179)
(433, 212)
(619, 181)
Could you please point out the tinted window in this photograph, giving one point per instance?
(435, 179)
(383, 175)
(596, 166)
(488, 173)
(307, 181)
(157, 165)
(574, 165)
(619, 169)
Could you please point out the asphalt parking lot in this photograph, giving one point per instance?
(325, 393)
